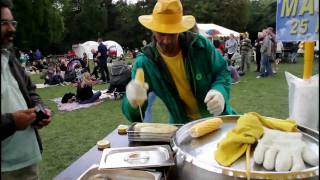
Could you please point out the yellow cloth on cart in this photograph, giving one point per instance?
(248, 130)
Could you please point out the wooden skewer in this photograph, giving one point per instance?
(248, 162)
(141, 116)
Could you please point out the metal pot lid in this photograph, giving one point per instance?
(200, 152)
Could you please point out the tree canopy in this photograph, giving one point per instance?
(54, 26)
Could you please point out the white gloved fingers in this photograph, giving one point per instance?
(283, 161)
(258, 154)
(209, 96)
(145, 85)
(310, 156)
(297, 162)
(216, 111)
(215, 102)
(285, 151)
(269, 158)
(212, 105)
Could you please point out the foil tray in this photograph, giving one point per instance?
(138, 157)
(94, 173)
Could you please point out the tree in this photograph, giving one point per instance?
(40, 25)
(88, 24)
(262, 15)
(233, 14)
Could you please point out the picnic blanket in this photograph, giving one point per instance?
(75, 105)
(40, 86)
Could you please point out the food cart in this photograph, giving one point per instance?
(193, 158)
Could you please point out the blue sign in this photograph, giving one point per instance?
(297, 20)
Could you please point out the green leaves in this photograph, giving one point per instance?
(40, 24)
(53, 26)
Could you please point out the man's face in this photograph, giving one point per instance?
(7, 28)
(167, 42)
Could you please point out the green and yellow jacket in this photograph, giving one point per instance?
(205, 68)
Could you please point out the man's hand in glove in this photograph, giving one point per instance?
(283, 151)
(215, 102)
(136, 93)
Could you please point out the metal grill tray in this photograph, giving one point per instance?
(118, 174)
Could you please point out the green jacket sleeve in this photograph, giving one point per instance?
(222, 81)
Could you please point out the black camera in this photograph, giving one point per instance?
(40, 114)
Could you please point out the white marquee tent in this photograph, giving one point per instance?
(203, 28)
(86, 47)
(113, 44)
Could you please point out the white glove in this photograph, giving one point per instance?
(136, 93)
(283, 151)
(215, 102)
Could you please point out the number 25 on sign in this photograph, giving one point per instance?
(299, 25)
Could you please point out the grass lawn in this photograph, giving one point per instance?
(71, 134)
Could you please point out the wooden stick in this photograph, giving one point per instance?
(141, 116)
(248, 162)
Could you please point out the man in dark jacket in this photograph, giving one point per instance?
(183, 69)
(95, 71)
(20, 143)
(102, 57)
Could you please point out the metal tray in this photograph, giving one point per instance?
(149, 139)
(94, 173)
(200, 152)
(137, 157)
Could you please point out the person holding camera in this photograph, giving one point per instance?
(22, 111)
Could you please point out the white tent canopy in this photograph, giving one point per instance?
(113, 44)
(203, 28)
(86, 47)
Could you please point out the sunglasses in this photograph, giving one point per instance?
(9, 22)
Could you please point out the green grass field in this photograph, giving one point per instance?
(71, 134)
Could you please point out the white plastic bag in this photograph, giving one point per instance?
(304, 100)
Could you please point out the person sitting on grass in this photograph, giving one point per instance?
(78, 70)
(53, 76)
(85, 94)
(235, 76)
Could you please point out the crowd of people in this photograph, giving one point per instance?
(265, 51)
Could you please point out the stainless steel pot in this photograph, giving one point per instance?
(195, 158)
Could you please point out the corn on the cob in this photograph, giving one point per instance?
(205, 127)
(155, 128)
(140, 78)
(140, 75)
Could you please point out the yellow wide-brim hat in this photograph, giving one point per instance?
(167, 17)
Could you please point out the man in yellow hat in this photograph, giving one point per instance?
(182, 68)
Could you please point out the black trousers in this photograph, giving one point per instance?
(95, 71)
(258, 61)
(103, 68)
